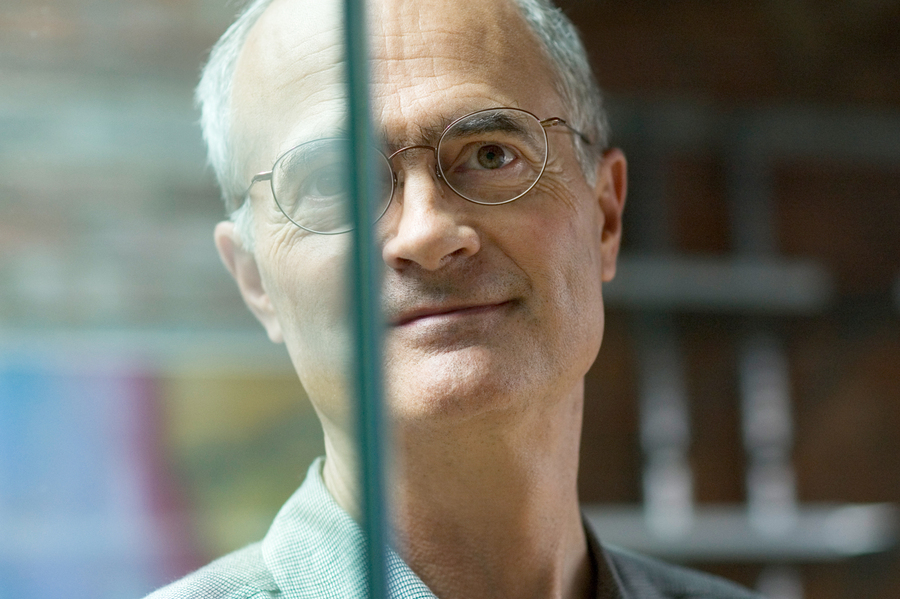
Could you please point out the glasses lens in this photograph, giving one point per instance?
(493, 156)
(311, 185)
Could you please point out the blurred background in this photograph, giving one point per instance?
(743, 415)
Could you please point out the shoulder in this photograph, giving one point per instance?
(239, 575)
(646, 577)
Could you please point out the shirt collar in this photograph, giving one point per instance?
(315, 549)
(607, 583)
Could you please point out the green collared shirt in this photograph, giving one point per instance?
(314, 550)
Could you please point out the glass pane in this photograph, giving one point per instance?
(148, 423)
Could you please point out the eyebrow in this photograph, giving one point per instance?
(424, 134)
(489, 123)
(429, 134)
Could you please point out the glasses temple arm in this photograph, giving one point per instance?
(558, 121)
(266, 176)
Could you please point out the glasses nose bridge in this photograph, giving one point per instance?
(397, 153)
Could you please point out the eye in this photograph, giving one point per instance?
(322, 183)
(316, 181)
(484, 156)
(492, 156)
(490, 167)
(322, 202)
(311, 189)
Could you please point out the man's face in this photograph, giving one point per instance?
(488, 308)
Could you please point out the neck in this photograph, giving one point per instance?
(488, 507)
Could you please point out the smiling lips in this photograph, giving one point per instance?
(450, 312)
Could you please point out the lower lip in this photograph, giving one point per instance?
(454, 315)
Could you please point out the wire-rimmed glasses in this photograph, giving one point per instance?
(490, 157)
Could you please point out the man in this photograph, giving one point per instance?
(502, 219)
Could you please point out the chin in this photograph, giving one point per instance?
(441, 388)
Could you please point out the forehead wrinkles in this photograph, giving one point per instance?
(470, 34)
(293, 57)
(460, 55)
(288, 44)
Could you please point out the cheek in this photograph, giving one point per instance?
(306, 282)
(303, 273)
(560, 233)
(563, 257)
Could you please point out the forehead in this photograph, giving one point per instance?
(432, 60)
(438, 52)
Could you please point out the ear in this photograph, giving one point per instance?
(242, 266)
(610, 190)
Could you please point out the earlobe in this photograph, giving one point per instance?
(243, 267)
(611, 188)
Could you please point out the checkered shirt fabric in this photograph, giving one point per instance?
(314, 550)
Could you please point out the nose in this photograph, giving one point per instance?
(432, 227)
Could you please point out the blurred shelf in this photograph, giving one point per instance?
(778, 131)
(819, 532)
(897, 292)
(714, 284)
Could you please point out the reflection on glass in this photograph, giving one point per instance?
(298, 278)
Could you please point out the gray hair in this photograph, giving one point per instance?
(574, 82)
(574, 79)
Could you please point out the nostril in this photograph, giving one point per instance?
(427, 232)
